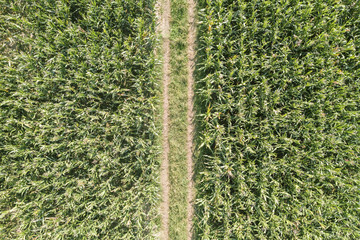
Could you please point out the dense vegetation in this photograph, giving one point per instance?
(278, 96)
(77, 132)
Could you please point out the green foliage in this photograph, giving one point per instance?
(77, 132)
(278, 96)
(178, 120)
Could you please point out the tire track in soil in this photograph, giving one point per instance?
(164, 169)
(190, 116)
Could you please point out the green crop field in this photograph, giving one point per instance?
(78, 158)
(278, 100)
(83, 115)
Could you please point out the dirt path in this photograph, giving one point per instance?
(190, 115)
(164, 170)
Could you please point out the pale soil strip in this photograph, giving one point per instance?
(164, 172)
(190, 115)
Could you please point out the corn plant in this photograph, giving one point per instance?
(278, 99)
(78, 158)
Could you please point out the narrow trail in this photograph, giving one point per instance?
(164, 169)
(190, 115)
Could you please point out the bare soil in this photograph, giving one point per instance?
(164, 169)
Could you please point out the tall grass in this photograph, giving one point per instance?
(278, 97)
(77, 132)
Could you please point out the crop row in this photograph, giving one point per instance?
(278, 100)
(77, 128)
